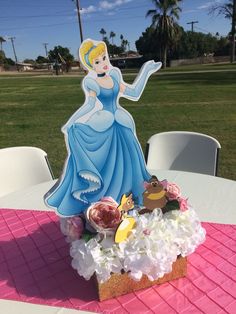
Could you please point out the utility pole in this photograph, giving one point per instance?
(233, 32)
(46, 50)
(14, 51)
(79, 19)
(192, 23)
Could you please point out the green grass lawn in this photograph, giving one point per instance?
(203, 67)
(194, 67)
(33, 109)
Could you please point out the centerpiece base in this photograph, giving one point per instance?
(120, 284)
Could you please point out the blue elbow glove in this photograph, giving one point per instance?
(135, 90)
(86, 108)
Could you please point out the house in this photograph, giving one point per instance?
(25, 66)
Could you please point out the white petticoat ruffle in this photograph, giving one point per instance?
(150, 250)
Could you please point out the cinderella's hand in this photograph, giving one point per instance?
(152, 66)
(135, 90)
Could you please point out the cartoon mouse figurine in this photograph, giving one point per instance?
(155, 196)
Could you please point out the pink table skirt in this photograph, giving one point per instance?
(35, 268)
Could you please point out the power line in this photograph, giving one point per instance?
(117, 19)
(55, 14)
(70, 23)
(202, 29)
(34, 16)
(32, 5)
(65, 5)
(208, 32)
(36, 26)
(51, 15)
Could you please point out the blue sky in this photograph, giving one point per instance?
(33, 23)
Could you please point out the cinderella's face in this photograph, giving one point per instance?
(101, 64)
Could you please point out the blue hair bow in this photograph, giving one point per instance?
(86, 56)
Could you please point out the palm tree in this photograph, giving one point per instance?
(103, 32)
(2, 40)
(122, 42)
(106, 40)
(128, 44)
(112, 35)
(228, 10)
(121, 38)
(125, 43)
(164, 20)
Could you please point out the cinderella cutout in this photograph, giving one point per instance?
(104, 155)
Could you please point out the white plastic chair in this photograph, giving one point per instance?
(186, 151)
(21, 167)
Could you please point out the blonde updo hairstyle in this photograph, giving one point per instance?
(95, 52)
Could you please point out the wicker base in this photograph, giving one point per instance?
(120, 284)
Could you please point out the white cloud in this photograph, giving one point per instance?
(189, 11)
(108, 5)
(88, 10)
(110, 13)
(208, 4)
(104, 5)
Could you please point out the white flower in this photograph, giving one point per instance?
(150, 253)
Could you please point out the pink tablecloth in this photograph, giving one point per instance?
(35, 267)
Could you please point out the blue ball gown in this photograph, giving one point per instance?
(104, 156)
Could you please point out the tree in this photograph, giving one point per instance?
(41, 59)
(9, 61)
(31, 61)
(121, 39)
(193, 45)
(223, 46)
(103, 33)
(112, 35)
(148, 45)
(2, 57)
(61, 55)
(123, 43)
(228, 10)
(106, 40)
(114, 50)
(190, 45)
(164, 21)
(2, 40)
